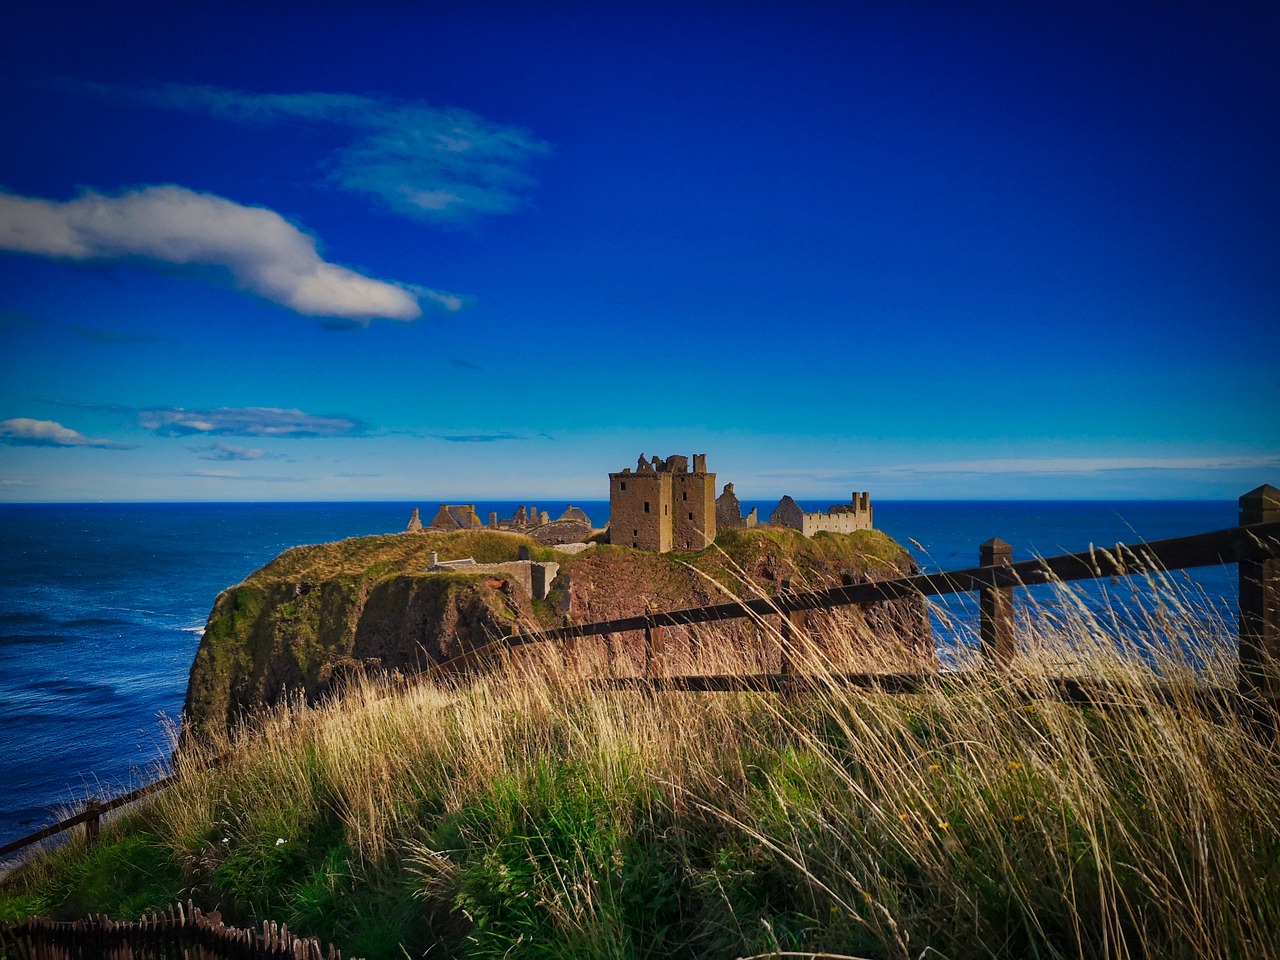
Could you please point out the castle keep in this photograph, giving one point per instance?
(663, 505)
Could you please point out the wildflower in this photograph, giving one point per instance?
(1029, 708)
(1014, 765)
(226, 839)
(902, 816)
(279, 840)
(944, 825)
(935, 767)
(1018, 818)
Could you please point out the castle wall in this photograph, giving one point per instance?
(640, 510)
(693, 507)
(842, 518)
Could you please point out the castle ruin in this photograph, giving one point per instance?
(841, 518)
(663, 505)
(729, 512)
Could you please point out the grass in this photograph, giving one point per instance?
(523, 814)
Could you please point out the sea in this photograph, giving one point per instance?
(102, 607)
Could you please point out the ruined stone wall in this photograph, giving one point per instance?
(640, 510)
(842, 518)
(729, 512)
(835, 522)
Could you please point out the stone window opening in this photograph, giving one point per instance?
(691, 516)
(622, 485)
(684, 496)
(646, 506)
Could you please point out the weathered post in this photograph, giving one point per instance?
(93, 821)
(653, 645)
(791, 619)
(995, 608)
(1260, 603)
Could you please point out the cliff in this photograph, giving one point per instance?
(294, 626)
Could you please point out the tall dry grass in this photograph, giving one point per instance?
(525, 813)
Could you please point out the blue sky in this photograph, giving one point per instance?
(278, 252)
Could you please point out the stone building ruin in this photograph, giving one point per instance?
(841, 518)
(663, 505)
(729, 512)
(572, 526)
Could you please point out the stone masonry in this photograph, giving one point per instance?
(841, 518)
(663, 505)
(729, 512)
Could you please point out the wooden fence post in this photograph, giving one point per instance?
(790, 620)
(93, 825)
(653, 645)
(995, 608)
(1260, 603)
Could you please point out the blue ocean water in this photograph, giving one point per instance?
(102, 607)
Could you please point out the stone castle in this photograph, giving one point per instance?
(663, 505)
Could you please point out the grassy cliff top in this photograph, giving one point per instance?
(395, 553)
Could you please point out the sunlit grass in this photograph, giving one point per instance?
(524, 813)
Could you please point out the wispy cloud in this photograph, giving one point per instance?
(25, 432)
(441, 165)
(464, 364)
(246, 422)
(232, 475)
(165, 226)
(479, 437)
(115, 337)
(225, 451)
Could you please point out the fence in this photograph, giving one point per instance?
(176, 934)
(1254, 546)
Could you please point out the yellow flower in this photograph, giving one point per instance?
(934, 767)
(1029, 708)
(902, 816)
(944, 825)
(1014, 765)
(1018, 818)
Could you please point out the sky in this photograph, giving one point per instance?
(484, 251)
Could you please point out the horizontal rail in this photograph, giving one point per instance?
(1256, 542)
(91, 814)
(1078, 691)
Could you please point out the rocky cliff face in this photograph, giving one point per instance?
(297, 624)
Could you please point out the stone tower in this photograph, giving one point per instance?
(663, 505)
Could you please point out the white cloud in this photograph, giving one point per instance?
(440, 165)
(261, 251)
(246, 422)
(25, 432)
